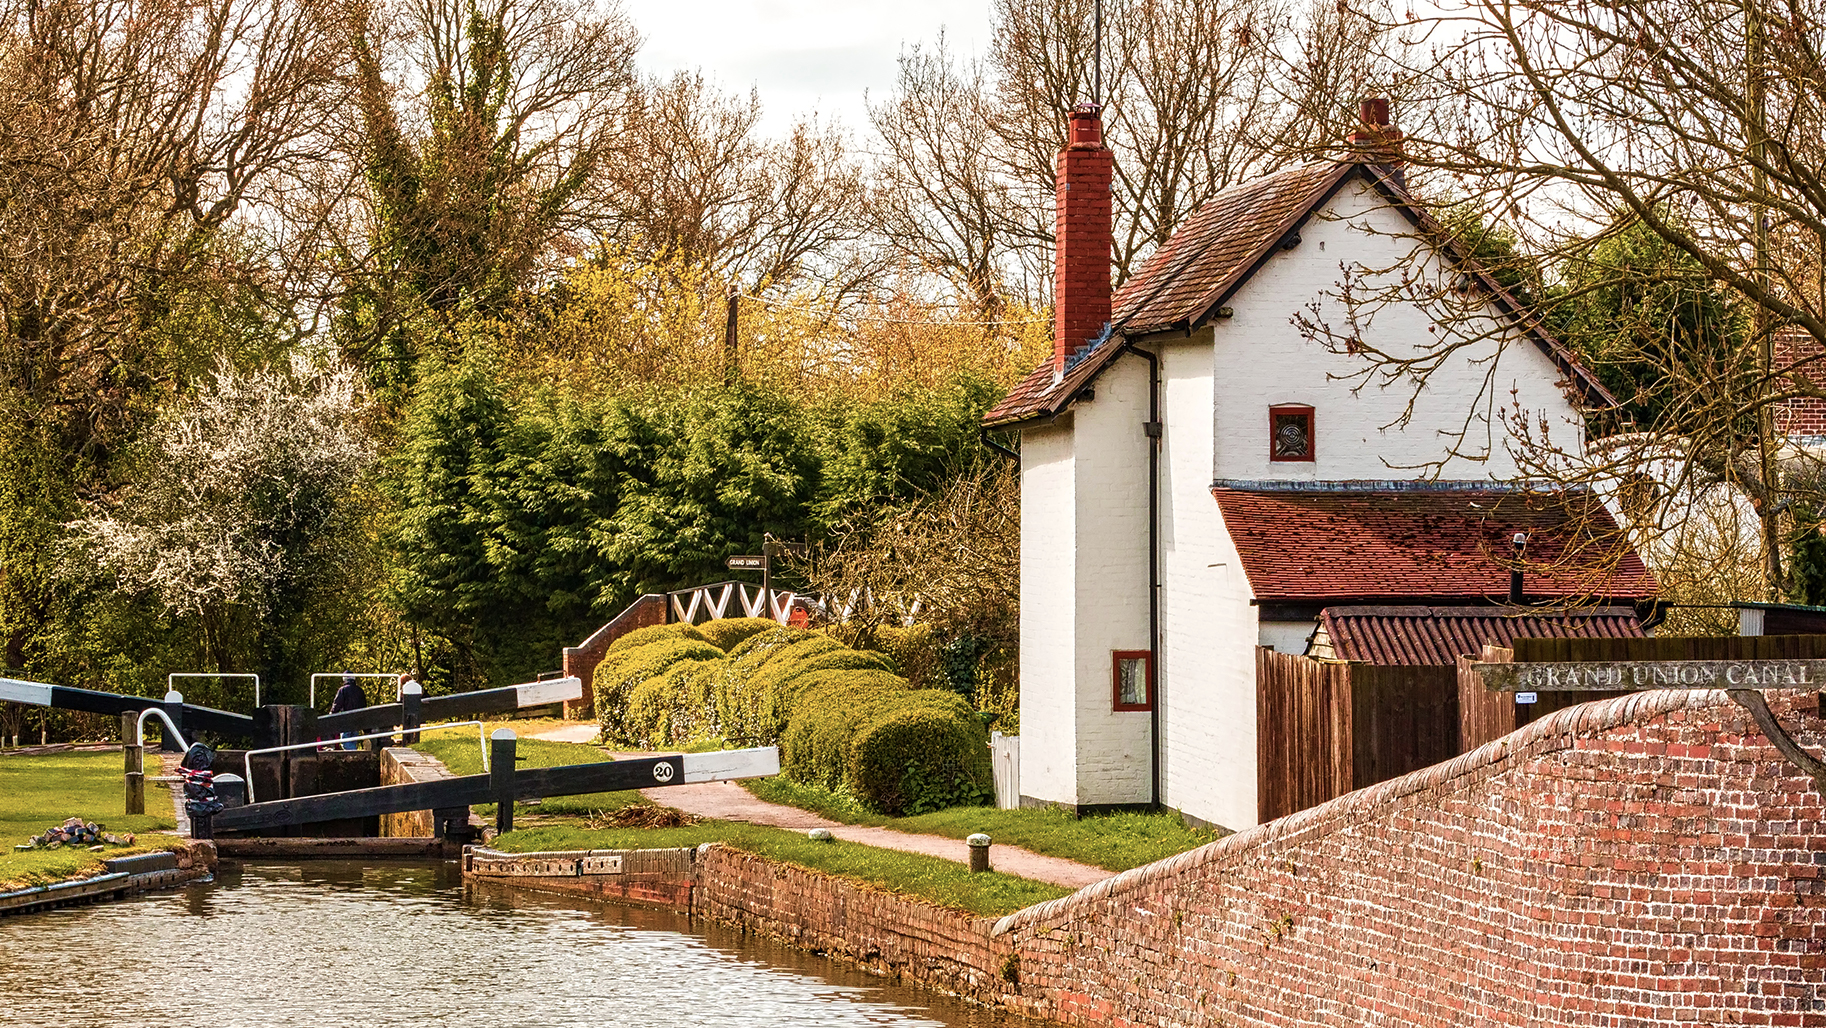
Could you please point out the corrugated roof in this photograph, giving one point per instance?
(1219, 247)
(1312, 545)
(1435, 636)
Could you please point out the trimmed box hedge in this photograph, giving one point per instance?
(843, 718)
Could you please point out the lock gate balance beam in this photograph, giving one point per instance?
(505, 782)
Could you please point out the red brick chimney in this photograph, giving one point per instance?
(1378, 138)
(1081, 284)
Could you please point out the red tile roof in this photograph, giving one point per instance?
(1418, 544)
(1435, 636)
(1183, 284)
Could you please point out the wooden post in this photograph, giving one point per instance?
(732, 368)
(501, 777)
(174, 708)
(135, 754)
(411, 695)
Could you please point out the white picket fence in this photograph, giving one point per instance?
(1005, 759)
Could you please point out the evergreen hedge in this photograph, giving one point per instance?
(843, 718)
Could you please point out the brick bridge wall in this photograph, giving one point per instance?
(1646, 860)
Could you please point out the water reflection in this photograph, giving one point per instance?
(332, 943)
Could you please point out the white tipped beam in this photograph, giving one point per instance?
(728, 765)
(552, 690)
(12, 690)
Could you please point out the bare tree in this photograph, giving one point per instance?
(1698, 123)
(694, 178)
(1196, 96)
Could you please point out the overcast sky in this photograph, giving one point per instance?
(803, 55)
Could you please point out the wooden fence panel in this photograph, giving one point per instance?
(1403, 718)
(1303, 733)
(1483, 716)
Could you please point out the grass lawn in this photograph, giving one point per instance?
(39, 792)
(936, 881)
(458, 749)
(1114, 842)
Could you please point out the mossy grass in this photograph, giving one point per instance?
(1114, 842)
(38, 792)
(940, 882)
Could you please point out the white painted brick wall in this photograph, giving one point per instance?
(1207, 659)
(1114, 762)
(1263, 360)
(1049, 754)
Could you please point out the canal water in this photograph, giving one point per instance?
(330, 944)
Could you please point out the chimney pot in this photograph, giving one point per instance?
(1374, 111)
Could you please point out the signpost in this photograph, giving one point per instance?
(1588, 676)
(764, 563)
(1744, 681)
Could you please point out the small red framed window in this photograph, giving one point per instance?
(1290, 436)
(1132, 674)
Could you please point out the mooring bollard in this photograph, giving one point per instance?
(174, 709)
(501, 777)
(200, 800)
(410, 696)
(979, 852)
(134, 753)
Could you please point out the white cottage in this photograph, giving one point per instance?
(1200, 478)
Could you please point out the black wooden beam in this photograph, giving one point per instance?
(532, 783)
(455, 706)
(91, 701)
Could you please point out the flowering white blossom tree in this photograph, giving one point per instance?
(238, 496)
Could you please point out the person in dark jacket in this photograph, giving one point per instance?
(349, 697)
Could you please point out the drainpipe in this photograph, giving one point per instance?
(1153, 430)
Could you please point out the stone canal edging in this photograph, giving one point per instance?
(882, 932)
(121, 877)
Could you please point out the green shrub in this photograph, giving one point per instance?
(926, 752)
(914, 651)
(666, 710)
(652, 634)
(758, 647)
(899, 751)
(829, 706)
(728, 633)
(620, 673)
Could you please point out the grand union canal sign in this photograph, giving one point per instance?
(1586, 676)
(1742, 680)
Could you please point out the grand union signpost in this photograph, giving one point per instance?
(1744, 681)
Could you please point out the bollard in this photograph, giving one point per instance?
(174, 708)
(200, 800)
(501, 777)
(410, 696)
(231, 790)
(979, 852)
(135, 759)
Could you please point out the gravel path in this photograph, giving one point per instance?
(727, 801)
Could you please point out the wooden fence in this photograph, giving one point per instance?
(1325, 728)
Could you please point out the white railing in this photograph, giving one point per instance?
(731, 599)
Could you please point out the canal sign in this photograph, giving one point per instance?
(747, 562)
(1624, 675)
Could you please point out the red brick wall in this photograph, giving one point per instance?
(1804, 415)
(580, 661)
(888, 934)
(1641, 861)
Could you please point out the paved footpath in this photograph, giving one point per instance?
(727, 801)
